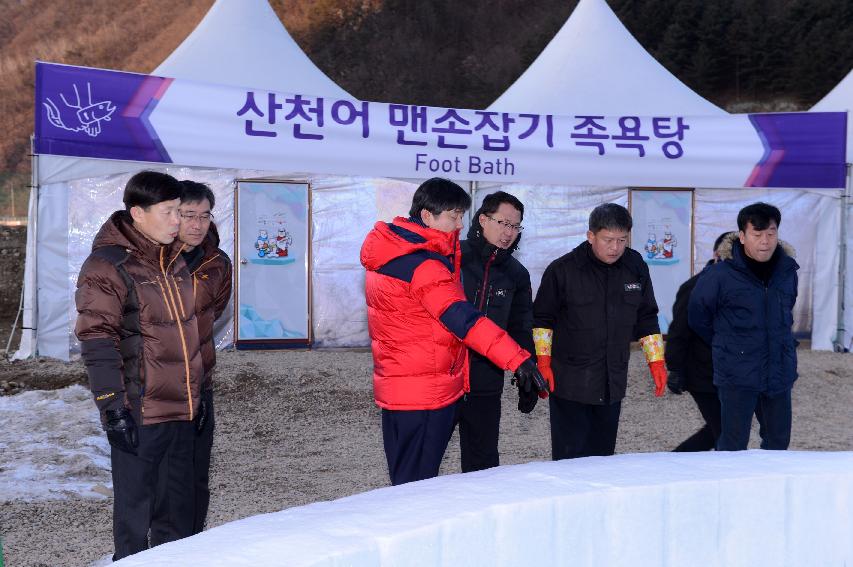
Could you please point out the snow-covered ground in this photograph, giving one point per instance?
(711, 509)
(52, 446)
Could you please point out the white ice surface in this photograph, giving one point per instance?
(52, 446)
(710, 509)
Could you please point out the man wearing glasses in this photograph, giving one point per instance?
(210, 269)
(498, 285)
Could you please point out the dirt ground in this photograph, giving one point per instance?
(297, 427)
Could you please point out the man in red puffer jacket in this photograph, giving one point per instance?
(420, 325)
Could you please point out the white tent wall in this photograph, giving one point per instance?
(344, 209)
(840, 99)
(29, 292)
(846, 339)
(556, 218)
(53, 292)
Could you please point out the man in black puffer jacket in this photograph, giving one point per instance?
(591, 304)
(499, 286)
(688, 360)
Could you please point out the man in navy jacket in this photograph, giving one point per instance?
(743, 308)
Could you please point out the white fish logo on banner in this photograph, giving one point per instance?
(76, 117)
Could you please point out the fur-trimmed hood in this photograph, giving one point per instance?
(724, 251)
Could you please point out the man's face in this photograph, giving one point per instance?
(447, 221)
(608, 245)
(195, 222)
(498, 227)
(760, 244)
(159, 223)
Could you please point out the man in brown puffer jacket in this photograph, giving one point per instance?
(139, 340)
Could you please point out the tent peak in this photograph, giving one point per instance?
(243, 43)
(593, 65)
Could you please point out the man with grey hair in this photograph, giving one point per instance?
(591, 304)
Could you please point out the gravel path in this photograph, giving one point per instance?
(298, 427)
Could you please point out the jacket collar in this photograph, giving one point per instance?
(391, 240)
(586, 257)
(483, 248)
(120, 231)
(736, 256)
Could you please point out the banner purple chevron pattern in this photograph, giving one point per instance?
(97, 113)
(800, 150)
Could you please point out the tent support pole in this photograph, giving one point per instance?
(838, 345)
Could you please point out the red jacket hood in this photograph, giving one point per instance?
(391, 240)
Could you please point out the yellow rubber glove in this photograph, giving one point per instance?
(653, 349)
(542, 339)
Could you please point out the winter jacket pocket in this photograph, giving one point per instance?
(742, 311)
(789, 363)
(739, 363)
(582, 312)
(786, 304)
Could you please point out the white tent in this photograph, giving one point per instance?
(75, 195)
(595, 65)
(841, 99)
(239, 42)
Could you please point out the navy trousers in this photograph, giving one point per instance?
(736, 410)
(582, 430)
(415, 441)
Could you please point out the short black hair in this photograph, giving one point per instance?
(759, 216)
(438, 195)
(494, 200)
(195, 192)
(719, 240)
(610, 216)
(148, 188)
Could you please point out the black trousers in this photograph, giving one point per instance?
(202, 448)
(479, 419)
(415, 441)
(582, 430)
(135, 481)
(706, 438)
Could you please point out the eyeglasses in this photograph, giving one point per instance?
(506, 224)
(193, 217)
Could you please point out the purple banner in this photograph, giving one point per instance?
(74, 104)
